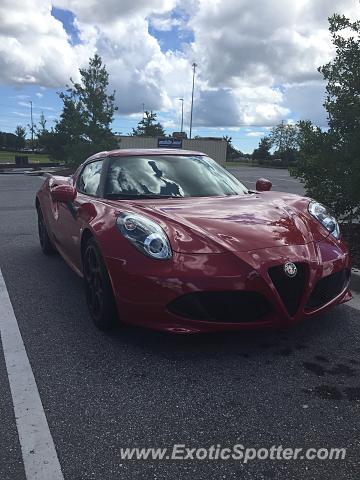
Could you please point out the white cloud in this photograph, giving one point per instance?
(169, 124)
(139, 71)
(264, 42)
(164, 22)
(257, 60)
(21, 97)
(20, 114)
(249, 49)
(255, 134)
(306, 101)
(109, 11)
(34, 47)
(39, 107)
(257, 106)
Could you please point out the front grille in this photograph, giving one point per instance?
(289, 289)
(328, 288)
(226, 307)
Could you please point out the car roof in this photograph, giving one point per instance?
(136, 152)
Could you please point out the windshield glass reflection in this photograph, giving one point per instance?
(174, 176)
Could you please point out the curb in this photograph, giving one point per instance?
(39, 173)
(355, 280)
(31, 173)
(12, 173)
(239, 165)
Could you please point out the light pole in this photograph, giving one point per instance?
(192, 97)
(32, 125)
(182, 114)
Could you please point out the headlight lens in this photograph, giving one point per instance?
(325, 218)
(146, 235)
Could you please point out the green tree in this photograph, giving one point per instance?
(20, 133)
(329, 164)
(97, 107)
(71, 141)
(84, 127)
(343, 80)
(231, 151)
(319, 169)
(149, 127)
(41, 132)
(284, 140)
(8, 140)
(263, 150)
(42, 125)
(284, 137)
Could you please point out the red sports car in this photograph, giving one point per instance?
(169, 239)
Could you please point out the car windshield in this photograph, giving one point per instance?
(170, 176)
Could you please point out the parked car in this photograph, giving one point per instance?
(169, 239)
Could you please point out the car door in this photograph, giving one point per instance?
(72, 217)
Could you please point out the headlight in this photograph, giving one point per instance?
(146, 235)
(325, 218)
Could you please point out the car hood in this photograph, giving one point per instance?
(234, 223)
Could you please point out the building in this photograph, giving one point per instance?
(214, 147)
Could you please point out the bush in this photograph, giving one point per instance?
(329, 162)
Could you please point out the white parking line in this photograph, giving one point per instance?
(38, 450)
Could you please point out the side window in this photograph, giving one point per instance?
(89, 180)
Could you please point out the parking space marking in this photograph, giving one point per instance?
(38, 450)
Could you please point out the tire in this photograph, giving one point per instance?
(45, 242)
(98, 290)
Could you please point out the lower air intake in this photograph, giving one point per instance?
(328, 288)
(226, 307)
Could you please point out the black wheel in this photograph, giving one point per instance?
(45, 242)
(99, 294)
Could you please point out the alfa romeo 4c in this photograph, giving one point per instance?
(169, 239)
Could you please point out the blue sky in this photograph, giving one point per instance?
(256, 67)
(67, 18)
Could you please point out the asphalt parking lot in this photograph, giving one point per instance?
(134, 388)
(279, 177)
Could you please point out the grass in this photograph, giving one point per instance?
(241, 164)
(253, 164)
(9, 157)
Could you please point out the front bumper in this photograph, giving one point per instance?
(146, 290)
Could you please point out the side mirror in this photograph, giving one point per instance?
(63, 193)
(263, 185)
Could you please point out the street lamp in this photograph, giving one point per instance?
(192, 97)
(32, 125)
(182, 114)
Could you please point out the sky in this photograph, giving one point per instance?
(257, 60)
